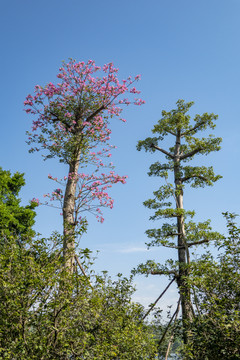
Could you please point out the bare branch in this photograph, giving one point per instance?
(155, 302)
(190, 154)
(173, 246)
(162, 150)
(82, 269)
(168, 325)
(172, 336)
(167, 272)
(187, 245)
(198, 242)
(173, 234)
(194, 176)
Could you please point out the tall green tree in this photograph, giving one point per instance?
(15, 219)
(178, 233)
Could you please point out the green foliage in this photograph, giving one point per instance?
(151, 267)
(14, 218)
(195, 233)
(177, 123)
(215, 332)
(167, 202)
(49, 313)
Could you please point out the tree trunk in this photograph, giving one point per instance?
(183, 255)
(69, 221)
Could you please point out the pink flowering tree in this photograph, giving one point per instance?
(72, 123)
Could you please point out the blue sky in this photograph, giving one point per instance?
(183, 49)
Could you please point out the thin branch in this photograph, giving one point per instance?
(174, 246)
(196, 300)
(168, 272)
(172, 318)
(83, 271)
(169, 346)
(96, 112)
(193, 176)
(190, 154)
(170, 132)
(198, 242)
(187, 245)
(57, 119)
(171, 338)
(104, 106)
(193, 129)
(173, 234)
(155, 302)
(162, 150)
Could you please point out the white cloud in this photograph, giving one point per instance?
(124, 248)
(133, 249)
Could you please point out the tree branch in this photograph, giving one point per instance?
(173, 234)
(192, 176)
(173, 246)
(155, 302)
(82, 269)
(162, 150)
(96, 112)
(170, 132)
(172, 336)
(168, 325)
(193, 129)
(198, 242)
(57, 119)
(190, 154)
(168, 272)
(193, 243)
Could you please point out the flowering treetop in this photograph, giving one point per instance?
(72, 123)
(74, 112)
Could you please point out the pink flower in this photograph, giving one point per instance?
(35, 201)
(68, 111)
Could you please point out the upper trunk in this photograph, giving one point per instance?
(183, 255)
(69, 221)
